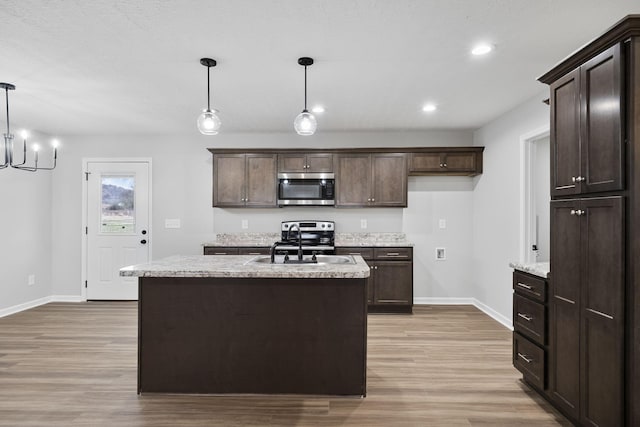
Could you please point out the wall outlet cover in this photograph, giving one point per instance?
(31, 280)
(441, 254)
(245, 224)
(363, 223)
(442, 223)
(172, 223)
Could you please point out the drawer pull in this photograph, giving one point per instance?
(525, 358)
(219, 253)
(393, 253)
(254, 253)
(527, 287)
(525, 317)
(404, 301)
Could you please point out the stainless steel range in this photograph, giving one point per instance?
(317, 236)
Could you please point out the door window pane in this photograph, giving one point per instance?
(118, 210)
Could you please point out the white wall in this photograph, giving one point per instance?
(25, 232)
(496, 202)
(182, 180)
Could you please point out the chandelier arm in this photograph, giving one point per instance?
(24, 154)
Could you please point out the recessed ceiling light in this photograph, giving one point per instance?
(318, 109)
(481, 49)
(428, 108)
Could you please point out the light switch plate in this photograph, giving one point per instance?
(441, 254)
(172, 223)
(442, 223)
(363, 223)
(245, 224)
(31, 280)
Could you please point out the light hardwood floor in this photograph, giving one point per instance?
(74, 364)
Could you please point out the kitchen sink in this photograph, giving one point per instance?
(322, 260)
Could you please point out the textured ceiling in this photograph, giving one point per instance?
(132, 67)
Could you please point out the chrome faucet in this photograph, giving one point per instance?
(299, 239)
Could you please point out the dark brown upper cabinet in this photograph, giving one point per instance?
(454, 161)
(244, 180)
(305, 162)
(371, 180)
(587, 154)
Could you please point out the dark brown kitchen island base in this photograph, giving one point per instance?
(252, 335)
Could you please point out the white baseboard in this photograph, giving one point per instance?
(506, 321)
(40, 301)
(467, 301)
(443, 301)
(67, 298)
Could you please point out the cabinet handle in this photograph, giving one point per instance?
(393, 253)
(525, 358)
(441, 165)
(253, 253)
(527, 287)
(525, 317)
(573, 179)
(580, 212)
(572, 212)
(578, 179)
(376, 267)
(445, 165)
(219, 253)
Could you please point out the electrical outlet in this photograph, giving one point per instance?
(442, 223)
(363, 223)
(441, 254)
(172, 223)
(31, 280)
(245, 224)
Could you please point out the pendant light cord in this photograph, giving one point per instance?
(208, 88)
(305, 88)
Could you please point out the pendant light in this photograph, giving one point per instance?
(208, 122)
(305, 123)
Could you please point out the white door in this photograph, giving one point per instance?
(117, 227)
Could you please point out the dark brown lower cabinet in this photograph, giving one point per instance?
(391, 280)
(586, 324)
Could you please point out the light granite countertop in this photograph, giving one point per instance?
(236, 266)
(341, 239)
(540, 269)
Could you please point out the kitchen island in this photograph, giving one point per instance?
(222, 324)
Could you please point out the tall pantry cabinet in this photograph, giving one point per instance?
(594, 290)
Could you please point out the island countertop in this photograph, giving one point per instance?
(236, 266)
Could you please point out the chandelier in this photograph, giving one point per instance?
(8, 144)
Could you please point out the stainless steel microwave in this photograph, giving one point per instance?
(306, 189)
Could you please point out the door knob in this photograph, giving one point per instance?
(144, 231)
(143, 241)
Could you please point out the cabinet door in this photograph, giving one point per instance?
(261, 180)
(393, 282)
(319, 162)
(600, 123)
(602, 348)
(425, 163)
(460, 162)
(564, 305)
(228, 180)
(389, 173)
(353, 184)
(294, 162)
(565, 134)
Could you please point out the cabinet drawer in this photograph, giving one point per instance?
(392, 253)
(531, 286)
(529, 318)
(213, 250)
(366, 253)
(254, 251)
(529, 359)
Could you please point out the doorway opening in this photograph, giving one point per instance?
(535, 190)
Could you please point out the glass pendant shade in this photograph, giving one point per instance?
(209, 122)
(305, 123)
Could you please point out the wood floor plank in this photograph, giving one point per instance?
(75, 364)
